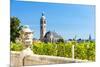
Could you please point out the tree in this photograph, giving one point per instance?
(15, 27)
(60, 40)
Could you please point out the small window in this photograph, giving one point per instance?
(44, 22)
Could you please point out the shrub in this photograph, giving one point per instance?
(16, 47)
(83, 50)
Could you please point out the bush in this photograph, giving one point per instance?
(16, 47)
(65, 49)
(83, 50)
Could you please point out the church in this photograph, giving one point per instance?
(47, 36)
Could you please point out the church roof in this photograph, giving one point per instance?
(43, 17)
(54, 34)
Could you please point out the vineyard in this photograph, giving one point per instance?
(82, 50)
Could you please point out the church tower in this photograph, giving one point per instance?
(42, 26)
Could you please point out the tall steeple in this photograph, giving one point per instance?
(42, 13)
(42, 26)
(89, 37)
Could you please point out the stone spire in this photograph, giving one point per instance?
(42, 13)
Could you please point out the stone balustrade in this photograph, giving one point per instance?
(41, 59)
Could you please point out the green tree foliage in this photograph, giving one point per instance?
(61, 40)
(14, 28)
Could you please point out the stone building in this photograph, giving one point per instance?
(47, 36)
(52, 37)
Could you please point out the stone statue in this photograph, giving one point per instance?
(26, 37)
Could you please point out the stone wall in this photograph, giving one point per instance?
(40, 59)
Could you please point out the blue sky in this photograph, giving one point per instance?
(67, 20)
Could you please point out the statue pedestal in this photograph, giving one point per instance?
(18, 58)
(26, 52)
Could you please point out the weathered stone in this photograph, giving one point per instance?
(34, 59)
